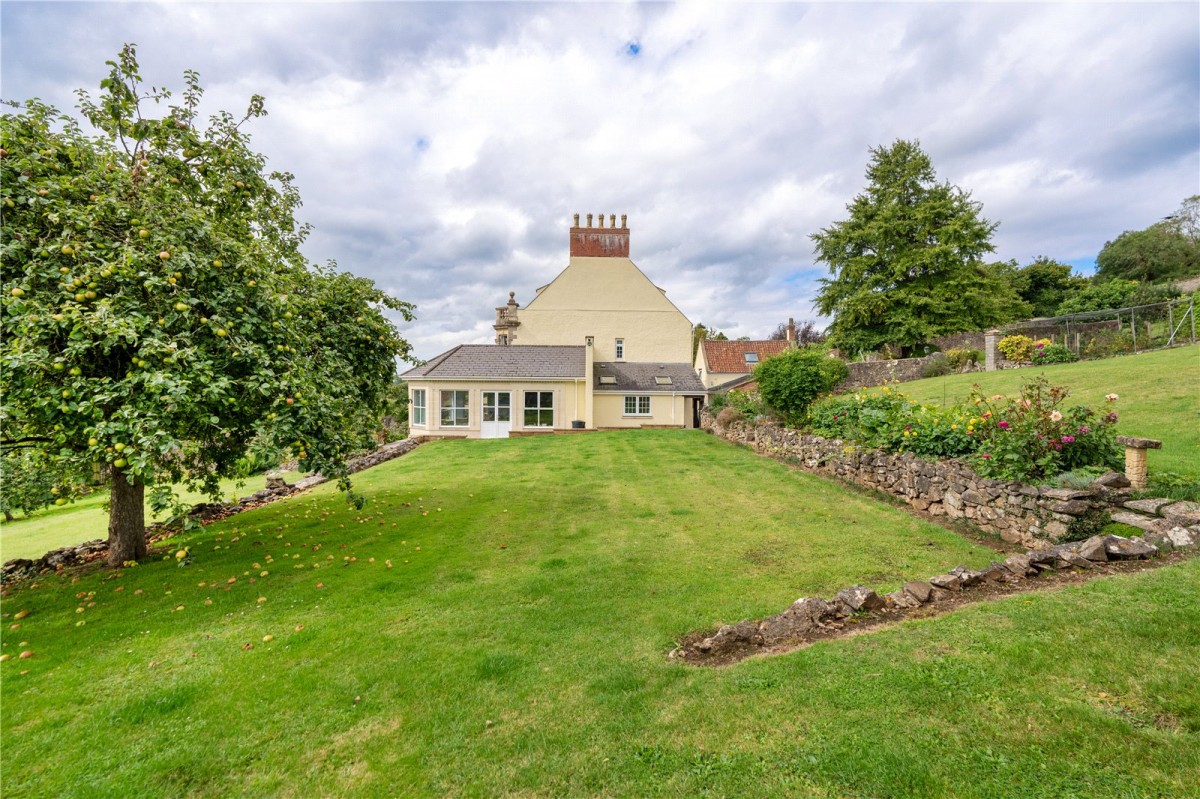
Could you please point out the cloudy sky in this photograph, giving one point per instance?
(442, 148)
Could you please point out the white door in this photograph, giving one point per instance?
(497, 414)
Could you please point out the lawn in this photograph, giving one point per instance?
(1159, 397)
(495, 622)
(86, 519)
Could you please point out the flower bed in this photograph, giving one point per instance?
(1030, 437)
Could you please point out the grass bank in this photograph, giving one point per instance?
(495, 623)
(86, 519)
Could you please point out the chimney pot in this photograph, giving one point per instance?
(601, 241)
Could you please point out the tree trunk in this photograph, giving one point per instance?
(8, 517)
(126, 520)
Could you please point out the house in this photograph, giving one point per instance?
(725, 365)
(598, 347)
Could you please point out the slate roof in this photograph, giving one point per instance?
(729, 357)
(741, 383)
(640, 377)
(498, 361)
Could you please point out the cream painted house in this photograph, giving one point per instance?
(599, 347)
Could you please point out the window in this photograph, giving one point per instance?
(620, 349)
(663, 380)
(454, 409)
(418, 406)
(539, 409)
(751, 357)
(637, 406)
(608, 380)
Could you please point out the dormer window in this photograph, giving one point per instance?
(620, 349)
(751, 357)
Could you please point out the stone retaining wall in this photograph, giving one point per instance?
(864, 374)
(1027, 515)
(960, 341)
(277, 488)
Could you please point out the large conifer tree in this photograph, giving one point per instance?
(907, 264)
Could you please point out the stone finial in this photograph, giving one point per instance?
(623, 225)
(512, 298)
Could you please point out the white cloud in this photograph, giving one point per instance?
(442, 148)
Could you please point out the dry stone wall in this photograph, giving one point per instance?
(1030, 516)
(277, 488)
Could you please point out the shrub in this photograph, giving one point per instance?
(1173, 486)
(790, 381)
(1078, 478)
(1028, 438)
(1016, 348)
(888, 420)
(1025, 438)
(1100, 296)
(749, 404)
(936, 367)
(1107, 343)
(959, 359)
(728, 416)
(1044, 354)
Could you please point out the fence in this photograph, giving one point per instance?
(1101, 334)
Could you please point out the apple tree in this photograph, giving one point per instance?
(159, 316)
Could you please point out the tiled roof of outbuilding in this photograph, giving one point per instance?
(499, 361)
(729, 357)
(645, 377)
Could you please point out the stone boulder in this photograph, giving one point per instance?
(805, 615)
(1182, 513)
(922, 592)
(1094, 549)
(858, 597)
(1112, 480)
(947, 582)
(732, 636)
(1120, 548)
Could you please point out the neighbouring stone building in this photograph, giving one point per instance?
(598, 347)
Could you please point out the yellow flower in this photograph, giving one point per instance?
(953, 427)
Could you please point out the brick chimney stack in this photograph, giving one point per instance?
(600, 241)
(791, 332)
